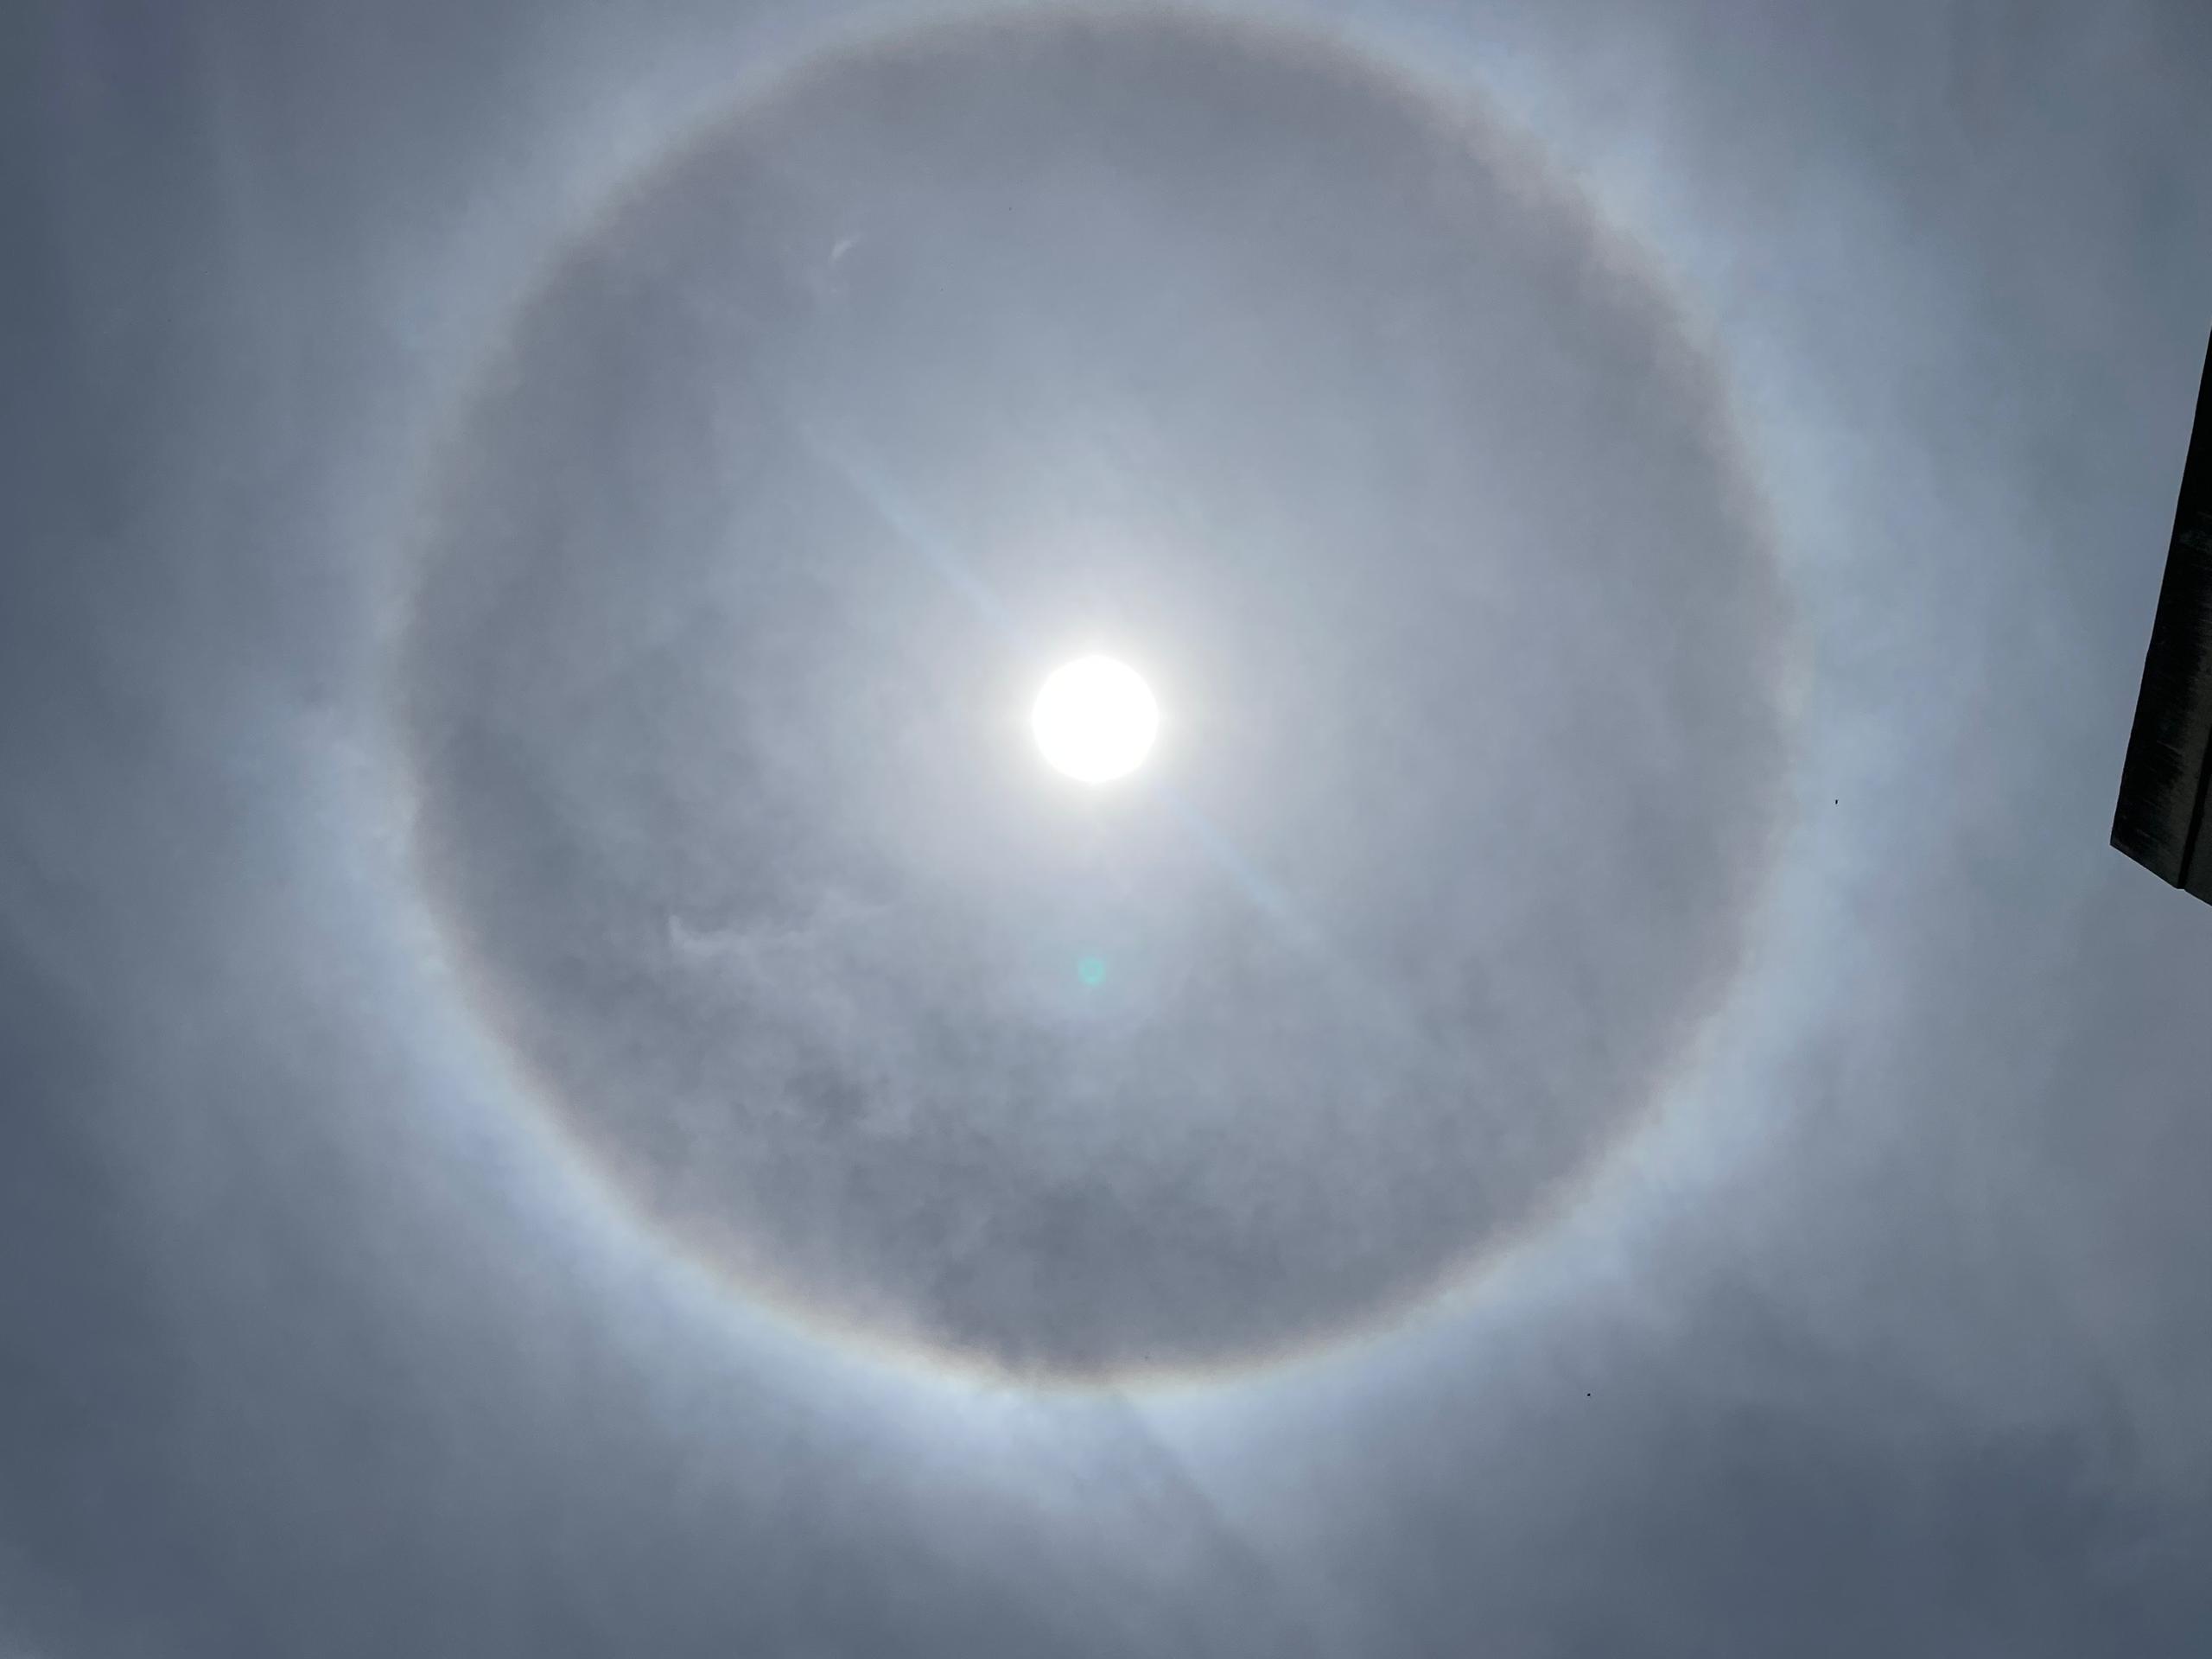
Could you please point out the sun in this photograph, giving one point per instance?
(1095, 719)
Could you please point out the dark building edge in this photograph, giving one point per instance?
(2160, 818)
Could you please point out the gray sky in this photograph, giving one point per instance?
(1630, 1111)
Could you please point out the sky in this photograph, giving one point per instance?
(573, 1086)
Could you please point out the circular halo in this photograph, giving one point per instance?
(804, 1027)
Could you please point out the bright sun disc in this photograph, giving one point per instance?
(1095, 719)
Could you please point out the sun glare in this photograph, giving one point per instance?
(1095, 719)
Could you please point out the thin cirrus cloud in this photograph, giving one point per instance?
(548, 1111)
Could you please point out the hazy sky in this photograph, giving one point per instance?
(1622, 1105)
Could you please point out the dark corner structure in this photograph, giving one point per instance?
(2160, 823)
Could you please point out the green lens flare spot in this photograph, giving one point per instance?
(1091, 970)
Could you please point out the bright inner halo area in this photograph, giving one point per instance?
(1095, 719)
